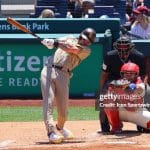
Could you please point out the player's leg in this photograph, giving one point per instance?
(114, 119)
(146, 101)
(62, 97)
(141, 117)
(48, 90)
(104, 123)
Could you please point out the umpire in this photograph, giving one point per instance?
(124, 51)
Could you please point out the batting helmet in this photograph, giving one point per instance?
(131, 68)
(89, 34)
(123, 45)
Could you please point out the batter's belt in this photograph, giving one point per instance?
(61, 68)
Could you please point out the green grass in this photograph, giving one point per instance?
(16, 114)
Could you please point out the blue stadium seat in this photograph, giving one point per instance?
(120, 8)
(44, 3)
(114, 15)
(102, 10)
(60, 6)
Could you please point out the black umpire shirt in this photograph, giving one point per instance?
(112, 63)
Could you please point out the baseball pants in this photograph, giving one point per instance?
(55, 86)
(141, 117)
(104, 123)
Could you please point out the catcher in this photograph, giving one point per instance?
(124, 51)
(130, 91)
(55, 78)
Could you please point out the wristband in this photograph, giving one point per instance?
(56, 43)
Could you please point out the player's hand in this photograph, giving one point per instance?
(49, 43)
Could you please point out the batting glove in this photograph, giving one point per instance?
(49, 43)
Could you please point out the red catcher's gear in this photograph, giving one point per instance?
(130, 67)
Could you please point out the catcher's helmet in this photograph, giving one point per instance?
(123, 45)
(131, 70)
(130, 67)
(89, 34)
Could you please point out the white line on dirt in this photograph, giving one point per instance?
(6, 143)
(120, 142)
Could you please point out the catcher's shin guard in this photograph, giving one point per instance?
(148, 125)
(113, 117)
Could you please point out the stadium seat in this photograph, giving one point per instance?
(60, 6)
(120, 8)
(102, 10)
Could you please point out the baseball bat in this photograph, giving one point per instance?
(19, 26)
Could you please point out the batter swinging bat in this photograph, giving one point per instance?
(21, 27)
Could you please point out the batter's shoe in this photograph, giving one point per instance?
(67, 134)
(55, 138)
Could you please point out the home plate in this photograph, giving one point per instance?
(120, 142)
(6, 143)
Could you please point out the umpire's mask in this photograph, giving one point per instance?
(124, 46)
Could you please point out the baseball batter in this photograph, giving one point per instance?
(129, 101)
(55, 78)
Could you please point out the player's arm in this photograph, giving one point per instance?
(71, 48)
(105, 72)
(104, 77)
(68, 47)
(142, 65)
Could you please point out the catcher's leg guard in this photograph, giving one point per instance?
(113, 117)
(148, 125)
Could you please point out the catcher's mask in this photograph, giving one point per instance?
(123, 45)
(129, 71)
(88, 36)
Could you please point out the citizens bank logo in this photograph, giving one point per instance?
(20, 70)
(20, 63)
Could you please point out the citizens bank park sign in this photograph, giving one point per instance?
(40, 26)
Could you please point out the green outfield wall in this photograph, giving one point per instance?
(21, 63)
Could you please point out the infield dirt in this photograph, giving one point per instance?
(32, 136)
